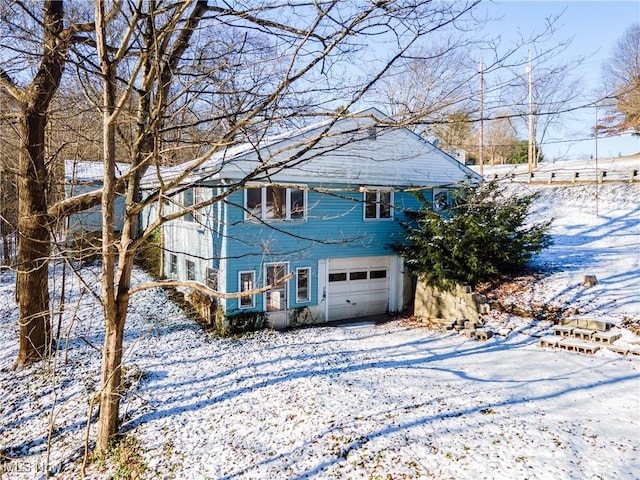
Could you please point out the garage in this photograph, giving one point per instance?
(358, 287)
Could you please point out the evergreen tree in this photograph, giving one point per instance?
(521, 152)
(483, 235)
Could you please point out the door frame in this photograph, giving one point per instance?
(277, 319)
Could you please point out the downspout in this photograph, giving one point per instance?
(222, 264)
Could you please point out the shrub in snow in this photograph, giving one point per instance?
(482, 235)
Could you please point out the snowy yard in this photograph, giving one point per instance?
(362, 401)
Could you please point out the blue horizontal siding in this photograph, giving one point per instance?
(334, 228)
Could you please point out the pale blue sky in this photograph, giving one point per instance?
(595, 27)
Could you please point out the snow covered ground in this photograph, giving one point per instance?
(362, 401)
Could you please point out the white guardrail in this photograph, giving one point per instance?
(568, 176)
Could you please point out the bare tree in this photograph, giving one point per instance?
(457, 130)
(500, 141)
(622, 84)
(440, 93)
(8, 167)
(33, 100)
(430, 85)
(272, 67)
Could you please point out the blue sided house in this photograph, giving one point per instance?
(319, 205)
(83, 177)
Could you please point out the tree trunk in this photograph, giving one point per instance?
(116, 293)
(32, 287)
(114, 325)
(111, 380)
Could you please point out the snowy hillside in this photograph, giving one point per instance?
(358, 401)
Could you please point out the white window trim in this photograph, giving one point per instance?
(263, 204)
(377, 217)
(186, 270)
(253, 297)
(286, 286)
(197, 196)
(173, 267)
(216, 272)
(308, 299)
(437, 191)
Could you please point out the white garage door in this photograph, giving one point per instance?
(358, 287)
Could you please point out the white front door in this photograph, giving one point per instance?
(276, 298)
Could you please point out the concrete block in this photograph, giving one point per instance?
(562, 330)
(576, 345)
(550, 341)
(484, 334)
(582, 333)
(448, 324)
(605, 337)
(634, 350)
(471, 325)
(582, 323)
(569, 322)
(485, 308)
(433, 303)
(598, 325)
(620, 350)
(479, 298)
(469, 333)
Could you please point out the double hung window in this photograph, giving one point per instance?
(247, 282)
(378, 204)
(275, 203)
(303, 292)
(190, 268)
(211, 278)
(190, 197)
(173, 265)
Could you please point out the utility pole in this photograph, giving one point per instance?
(597, 174)
(481, 129)
(531, 139)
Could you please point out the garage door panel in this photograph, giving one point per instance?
(358, 287)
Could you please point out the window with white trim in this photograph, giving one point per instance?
(441, 199)
(275, 203)
(190, 268)
(378, 204)
(190, 197)
(303, 279)
(211, 278)
(173, 265)
(246, 282)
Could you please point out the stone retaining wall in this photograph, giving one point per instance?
(431, 302)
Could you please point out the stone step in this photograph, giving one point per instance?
(582, 333)
(576, 345)
(598, 325)
(551, 341)
(563, 330)
(605, 337)
(620, 350)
